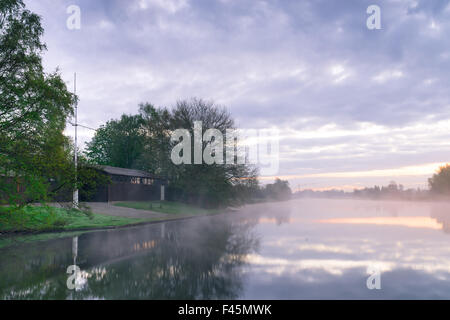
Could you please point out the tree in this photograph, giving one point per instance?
(440, 182)
(155, 157)
(119, 143)
(143, 142)
(34, 107)
(204, 184)
(279, 190)
(392, 187)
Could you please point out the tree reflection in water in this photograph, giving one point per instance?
(441, 212)
(194, 259)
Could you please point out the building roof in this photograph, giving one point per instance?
(126, 172)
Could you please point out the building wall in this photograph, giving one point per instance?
(133, 192)
(127, 189)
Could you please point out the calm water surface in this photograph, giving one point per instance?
(302, 249)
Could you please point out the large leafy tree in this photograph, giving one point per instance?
(209, 184)
(119, 143)
(143, 142)
(440, 182)
(279, 190)
(156, 126)
(34, 107)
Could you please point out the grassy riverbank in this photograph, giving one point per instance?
(9, 241)
(175, 208)
(41, 219)
(37, 223)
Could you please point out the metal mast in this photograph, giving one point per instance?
(75, 192)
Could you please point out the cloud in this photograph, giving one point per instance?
(312, 68)
(171, 6)
(387, 75)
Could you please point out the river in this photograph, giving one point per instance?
(300, 249)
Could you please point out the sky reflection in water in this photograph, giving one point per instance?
(302, 249)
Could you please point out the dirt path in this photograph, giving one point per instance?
(111, 210)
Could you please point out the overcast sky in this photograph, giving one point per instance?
(355, 107)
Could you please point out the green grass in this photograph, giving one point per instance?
(39, 219)
(9, 241)
(68, 222)
(168, 207)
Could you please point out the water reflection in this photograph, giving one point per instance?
(182, 260)
(441, 212)
(410, 222)
(329, 246)
(438, 219)
(302, 249)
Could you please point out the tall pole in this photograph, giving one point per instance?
(75, 193)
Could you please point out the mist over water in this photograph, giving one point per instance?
(300, 249)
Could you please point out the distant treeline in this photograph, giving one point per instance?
(439, 188)
(391, 191)
(278, 191)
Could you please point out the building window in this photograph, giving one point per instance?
(136, 180)
(148, 181)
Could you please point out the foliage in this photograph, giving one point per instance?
(390, 191)
(30, 218)
(440, 182)
(34, 107)
(119, 143)
(89, 180)
(279, 190)
(39, 219)
(143, 142)
(155, 157)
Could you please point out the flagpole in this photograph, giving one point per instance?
(75, 193)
